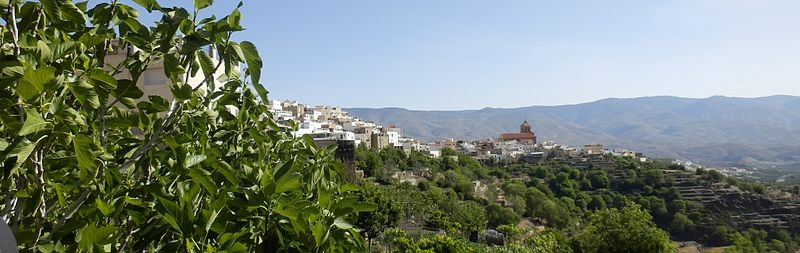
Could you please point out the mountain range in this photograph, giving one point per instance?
(716, 131)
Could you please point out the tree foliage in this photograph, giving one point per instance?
(90, 164)
(629, 229)
(387, 213)
(498, 215)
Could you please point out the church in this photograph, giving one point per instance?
(525, 134)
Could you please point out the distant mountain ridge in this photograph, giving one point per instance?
(714, 130)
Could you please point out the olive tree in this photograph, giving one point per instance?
(630, 229)
(89, 163)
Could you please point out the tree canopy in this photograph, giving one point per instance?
(630, 229)
(91, 164)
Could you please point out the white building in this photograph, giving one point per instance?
(313, 115)
(345, 136)
(394, 138)
(307, 127)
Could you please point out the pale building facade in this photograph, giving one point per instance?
(154, 80)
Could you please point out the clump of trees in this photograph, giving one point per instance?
(582, 209)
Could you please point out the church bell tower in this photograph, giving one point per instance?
(525, 127)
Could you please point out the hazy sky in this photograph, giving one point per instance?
(459, 54)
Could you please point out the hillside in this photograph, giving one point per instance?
(715, 131)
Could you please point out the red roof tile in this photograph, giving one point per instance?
(517, 136)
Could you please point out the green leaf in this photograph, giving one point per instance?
(173, 68)
(252, 60)
(172, 222)
(149, 5)
(71, 12)
(49, 247)
(341, 223)
(262, 92)
(324, 197)
(192, 160)
(90, 235)
(24, 151)
(286, 211)
(137, 202)
(175, 215)
(34, 123)
(60, 50)
(348, 188)
(195, 41)
(181, 90)
(211, 219)
(225, 169)
(102, 76)
(204, 178)
(83, 153)
(126, 88)
(12, 68)
(319, 232)
(3, 145)
(91, 40)
(43, 51)
(288, 182)
(202, 4)
(345, 206)
(33, 81)
(234, 18)
(206, 63)
(105, 208)
(85, 94)
(283, 168)
(60, 194)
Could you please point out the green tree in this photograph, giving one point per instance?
(599, 179)
(555, 214)
(387, 213)
(438, 219)
(396, 158)
(90, 164)
(498, 215)
(548, 241)
(630, 229)
(449, 152)
(371, 163)
(447, 164)
(597, 203)
(438, 244)
(512, 233)
(742, 244)
(471, 216)
(413, 202)
(681, 223)
(458, 182)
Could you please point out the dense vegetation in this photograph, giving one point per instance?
(90, 164)
(633, 207)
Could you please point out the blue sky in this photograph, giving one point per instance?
(423, 54)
